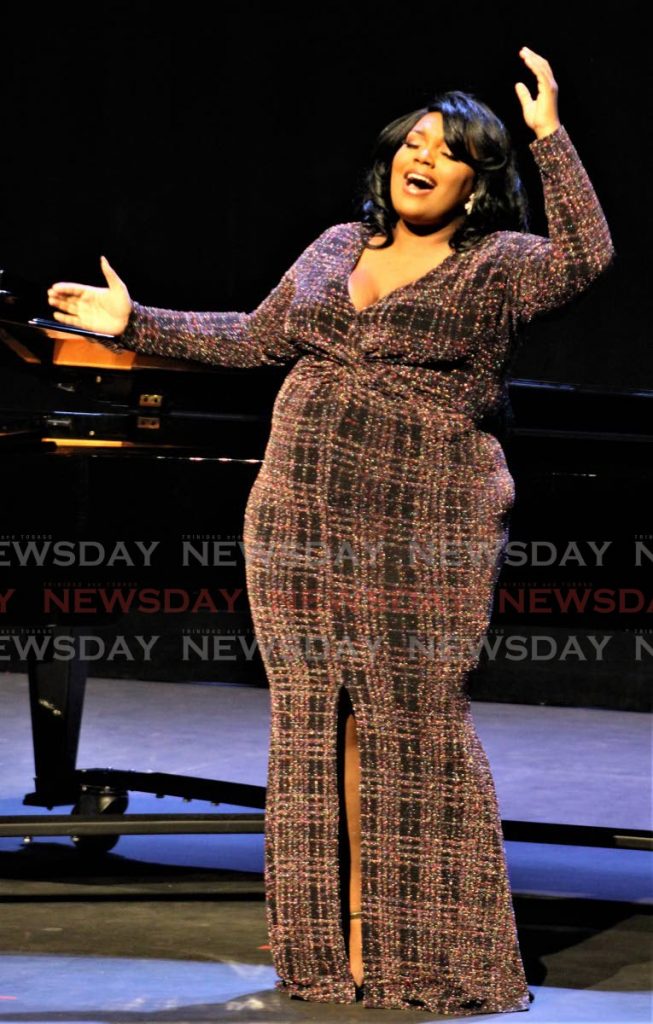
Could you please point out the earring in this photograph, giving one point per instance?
(469, 204)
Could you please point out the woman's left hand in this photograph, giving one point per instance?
(541, 113)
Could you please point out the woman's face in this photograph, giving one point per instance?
(425, 152)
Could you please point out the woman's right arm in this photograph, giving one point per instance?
(229, 339)
(233, 339)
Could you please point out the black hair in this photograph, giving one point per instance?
(470, 127)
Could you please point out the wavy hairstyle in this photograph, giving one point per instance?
(470, 127)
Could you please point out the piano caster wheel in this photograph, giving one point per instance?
(98, 803)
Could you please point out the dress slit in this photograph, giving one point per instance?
(344, 705)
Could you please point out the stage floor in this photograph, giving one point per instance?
(172, 928)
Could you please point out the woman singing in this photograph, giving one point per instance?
(374, 534)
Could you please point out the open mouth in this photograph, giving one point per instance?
(417, 184)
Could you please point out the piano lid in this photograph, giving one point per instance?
(24, 330)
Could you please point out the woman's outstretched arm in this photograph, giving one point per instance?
(230, 339)
(548, 272)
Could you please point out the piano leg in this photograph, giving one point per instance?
(56, 690)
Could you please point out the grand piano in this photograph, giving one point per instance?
(125, 481)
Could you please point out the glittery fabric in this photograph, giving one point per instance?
(374, 536)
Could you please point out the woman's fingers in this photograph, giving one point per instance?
(109, 273)
(66, 288)
(523, 91)
(68, 305)
(531, 57)
(540, 111)
(65, 318)
(538, 65)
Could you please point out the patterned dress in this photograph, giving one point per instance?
(374, 535)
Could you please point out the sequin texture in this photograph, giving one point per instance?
(375, 529)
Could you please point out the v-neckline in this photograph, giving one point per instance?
(358, 252)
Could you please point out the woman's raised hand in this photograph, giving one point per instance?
(541, 113)
(105, 310)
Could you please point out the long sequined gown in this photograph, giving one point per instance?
(374, 535)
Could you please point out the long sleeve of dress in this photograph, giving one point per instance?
(230, 339)
(549, 272)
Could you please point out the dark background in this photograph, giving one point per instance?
(201, 148)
